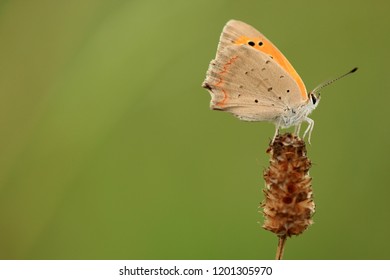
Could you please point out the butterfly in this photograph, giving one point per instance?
(254, 81)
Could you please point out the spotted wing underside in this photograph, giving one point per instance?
(239, 33)
(250, 84)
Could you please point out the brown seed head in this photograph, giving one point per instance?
(288, 205)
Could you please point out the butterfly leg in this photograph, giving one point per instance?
(297, 129)
(309, 128)
(276, 132)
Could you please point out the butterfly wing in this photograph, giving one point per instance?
(250, 84)
(239, 33)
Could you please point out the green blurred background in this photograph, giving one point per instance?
(108, 149)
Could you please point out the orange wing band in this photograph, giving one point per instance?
(220, 82)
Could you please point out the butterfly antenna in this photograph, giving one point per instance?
(327, 83)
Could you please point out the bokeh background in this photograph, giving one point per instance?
(108, 149)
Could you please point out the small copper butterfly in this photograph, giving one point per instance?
(254, 81)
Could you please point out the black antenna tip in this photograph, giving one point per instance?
(353, 70)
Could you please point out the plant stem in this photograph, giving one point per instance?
(280, 249)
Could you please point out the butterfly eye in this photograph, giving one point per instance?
(313, 99)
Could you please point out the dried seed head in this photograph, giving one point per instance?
(288, 205)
